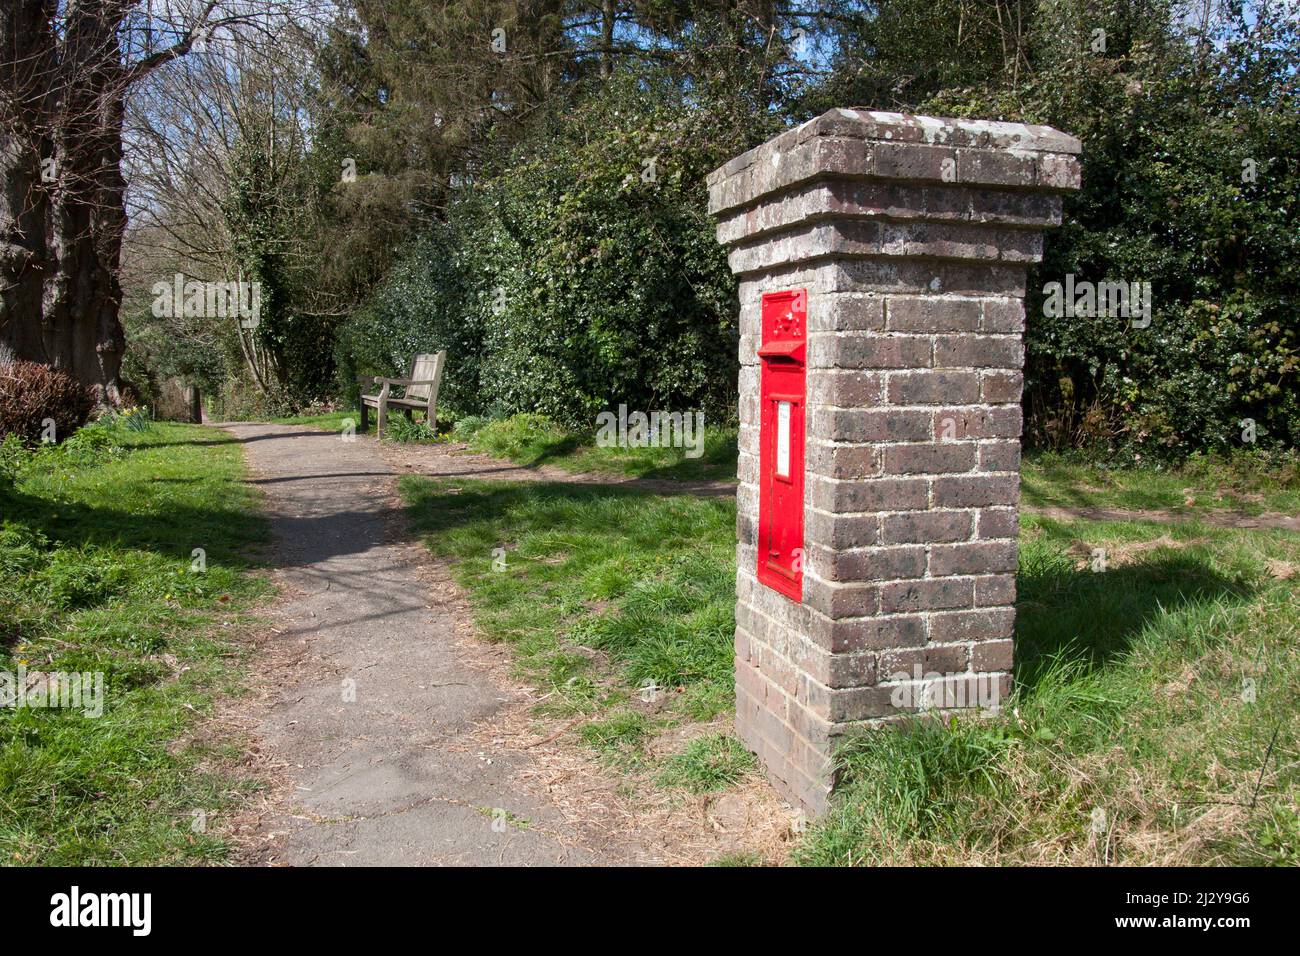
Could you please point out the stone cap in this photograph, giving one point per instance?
(867, 144)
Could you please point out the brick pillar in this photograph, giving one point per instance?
(911, 236)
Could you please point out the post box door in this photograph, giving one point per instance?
(782, 404)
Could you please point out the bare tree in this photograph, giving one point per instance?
(68, 68)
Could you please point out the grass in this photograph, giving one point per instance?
(330, 421)
(535, 440)
(618, 604)
(100, 575)
(710, 762)
(1245, 482)
(531, 440)
(1148, 693)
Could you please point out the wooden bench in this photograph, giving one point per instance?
(419, 392)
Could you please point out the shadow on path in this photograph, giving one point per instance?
(375, 718)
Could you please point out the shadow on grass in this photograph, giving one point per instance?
(718, 463)
(434, 507)
(1064, 613)
(544, 452)
(221, 437)
(223, 533)
(1087, 619)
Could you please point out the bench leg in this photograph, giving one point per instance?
(365, 417)
(382, 418)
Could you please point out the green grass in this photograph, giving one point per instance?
(97, 555)
(535, 440)
(1130, 708)
(710, 762)
(619, 604)
(1250, 483)
(328, 421)
(1245, 482)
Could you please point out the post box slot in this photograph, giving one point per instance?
(793, 351)
(783, 439)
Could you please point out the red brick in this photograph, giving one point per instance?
(861, 703)
(929, 459)
(925, 527)
(933, 659)
(874, 494)
(984, 557)
(872, 424)
(1000, 455)
(930, 314)
(1004, 315)
(996, 590)
(998, 523)
(879, 564)
(872, 351)
(953, 424)
(975, 491)
(978, 351)
(845, 461)
(877, 632)
(842, 531)
(997, 387)
(932, 387)
(925, 595)
(992, 656)
(981, 625)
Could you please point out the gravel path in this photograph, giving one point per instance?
(378, 721)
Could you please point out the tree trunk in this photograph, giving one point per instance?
(27, 45)
(83, 333)
(64, 75)
(608, 13)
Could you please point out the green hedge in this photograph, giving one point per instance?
(583, 276)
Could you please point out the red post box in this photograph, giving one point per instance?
(782, 396)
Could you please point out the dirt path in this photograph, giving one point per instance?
(1220, 519)
(380, 723)
(396, 735)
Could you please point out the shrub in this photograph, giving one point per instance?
(582, 275)
(417, 308)
(14, 456)
(240, 399)
(99, 441)
(32, 395)
(467, 427)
